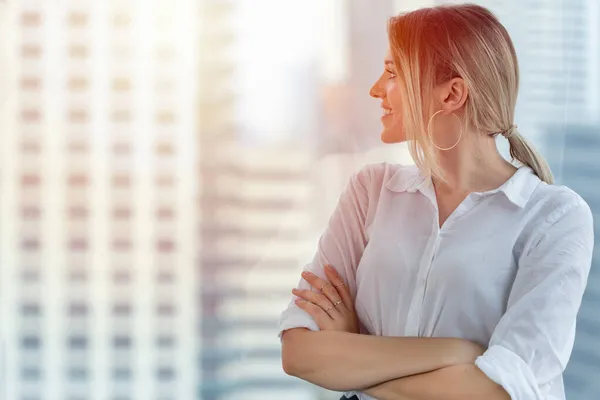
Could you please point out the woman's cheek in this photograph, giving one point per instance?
(393, 95)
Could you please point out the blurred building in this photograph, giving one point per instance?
(97, 204)
(3, 110)
(350, 118)
(574, 156)
(216, 132)
(255, 206)
(260, 237)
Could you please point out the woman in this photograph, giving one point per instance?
(460, 277)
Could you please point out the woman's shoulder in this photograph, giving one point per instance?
(384, 174)
(551, 202)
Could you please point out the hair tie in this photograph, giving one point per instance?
(509, 132)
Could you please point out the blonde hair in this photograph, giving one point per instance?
(432, 45)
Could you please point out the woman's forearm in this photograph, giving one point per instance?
(457, 382)
(348, 361)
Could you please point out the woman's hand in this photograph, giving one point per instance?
(332, 307)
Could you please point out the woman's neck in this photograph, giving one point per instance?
(474, 166)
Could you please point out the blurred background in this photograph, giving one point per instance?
(167, 167)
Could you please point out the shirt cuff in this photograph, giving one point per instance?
(294, 317)
(509, 370)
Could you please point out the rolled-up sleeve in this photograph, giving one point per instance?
(341, 245)
(532, 342)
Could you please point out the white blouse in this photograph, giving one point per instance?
(507, 270)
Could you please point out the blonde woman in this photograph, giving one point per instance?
(460, 277)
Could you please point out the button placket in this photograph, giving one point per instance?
(416, 304)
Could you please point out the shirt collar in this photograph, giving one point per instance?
(406, 179)
(517, 189)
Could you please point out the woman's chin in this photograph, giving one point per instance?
(389, 137)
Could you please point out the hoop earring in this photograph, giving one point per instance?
(431, 136)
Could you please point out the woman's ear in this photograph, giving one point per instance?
(454, 94)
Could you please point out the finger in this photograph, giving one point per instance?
(322, 286)
(321, 317)
(339, 284)
(318, 299)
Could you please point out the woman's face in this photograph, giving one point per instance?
(388, 90)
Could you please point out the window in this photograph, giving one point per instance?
(165, 373)
(121, 213)
(78, 116)
(78, 51)
(78, 244)
(31, 115)
(31, 342)
(121, 149)
(31, 19)
(30, 244)
(122, 244)
(30, 212)
(31, 147)
(78, 342)
(165, 246)
(165, 149)
(78, 275)
(78, 373)
(165, 277)
(121, 277)
(29, 51)
(78, 212)
(165, 117)
(78, 83)
(165, 341)
(121, 116)
(165, 309)
(31, 374)
(31, 83)
(121, 85)
(121, 20)
(30, 275)
(77, 147)
(122, 373)
(165, 181)
(78, 309)
(164, 213)
(78, 180)
(30, 180)
(121, 342)
(121, 180)
(30, 309)
(78, 19)
(122, 309)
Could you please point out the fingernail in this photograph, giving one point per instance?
(306, 273)
(329, 267)
(294, 291)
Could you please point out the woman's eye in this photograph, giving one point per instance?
(392, 75)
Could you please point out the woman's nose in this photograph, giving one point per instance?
(376, 91)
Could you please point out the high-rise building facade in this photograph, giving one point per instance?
(97, 204)
(255, 214)
(574, 157)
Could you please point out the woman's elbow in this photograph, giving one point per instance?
(291, 348)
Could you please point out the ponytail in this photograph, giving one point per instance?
(521, 150)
